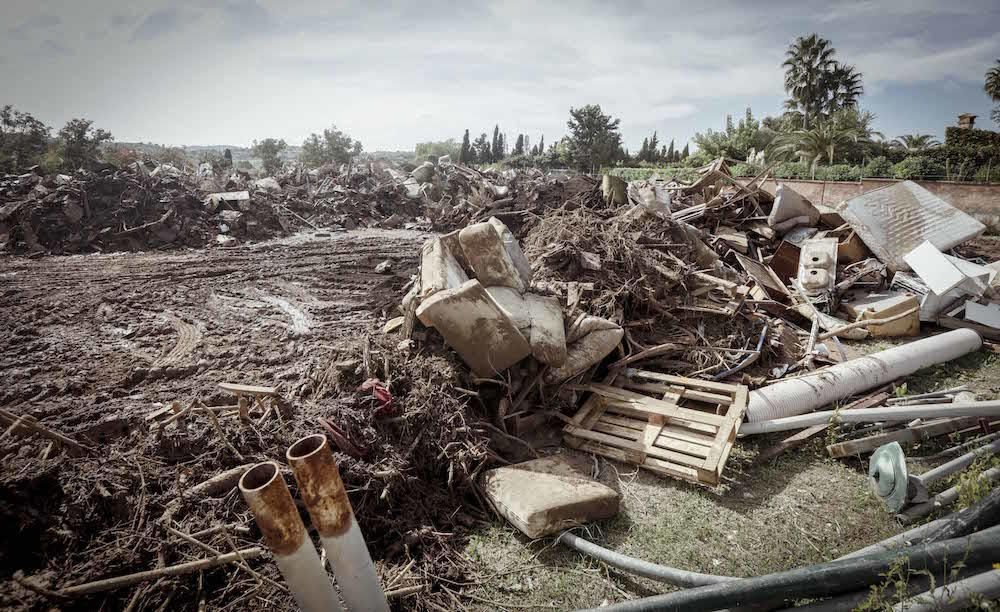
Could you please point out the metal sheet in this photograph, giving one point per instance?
(894, 220)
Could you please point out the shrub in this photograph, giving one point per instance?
(918, 167)
(988, 174)
(791, 170)
(878, 167)
(958, 137)
(838, 172)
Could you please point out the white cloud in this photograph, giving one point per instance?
(394, 73)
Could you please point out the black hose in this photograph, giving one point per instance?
(822, 579)
(639, 567)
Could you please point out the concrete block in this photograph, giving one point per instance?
(489, 258)
(548, 330)
(545, 496)
(473, 324)
(451, 242)
(439, 270)
(514, 305)
(589, 339)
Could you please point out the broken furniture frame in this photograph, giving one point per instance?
(686, 432)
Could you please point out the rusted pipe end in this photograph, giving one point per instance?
(320, 485)
(266, 493)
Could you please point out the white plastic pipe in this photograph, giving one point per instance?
(875, 415)
(807, 393)
(266, 493)
(324, 495)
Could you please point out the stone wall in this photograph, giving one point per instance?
(980, 200)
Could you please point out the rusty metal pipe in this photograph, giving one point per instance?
(323, 492)
(266, 493)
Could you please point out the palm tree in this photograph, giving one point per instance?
(916, 143)
(992, 88)
(992, 85)
(812, 145)
(807, 61)
(843, 84)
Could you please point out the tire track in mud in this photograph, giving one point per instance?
(300, 322)
(188, 337)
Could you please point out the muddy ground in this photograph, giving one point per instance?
(92, 344)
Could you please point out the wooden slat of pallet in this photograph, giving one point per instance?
(671, 431)
(639, 401)
(702, 428)
(727, 432)
(655, 465)
(689, 383)
(698, 396)
(637, 447)
(661, 440)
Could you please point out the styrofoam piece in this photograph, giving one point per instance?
(807, 393)
(439, 270)
(473, 324)
(930, 264)
(984, 314)
(894, 220)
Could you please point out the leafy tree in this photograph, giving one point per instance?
(643, 150)
(816, 82)
(518, 145)
(121, 155)
(686, 152)
(332, 147)
(465, 153)
(736, 141)
(227, 158)
(269, 150)
(812, 145)
(670, 152)
(594, 140)
(80, 143)
(541, 144)
(428, 150)
(496, 152)
(916, 143)
(481, 148)
(22, 139)
(992, 88)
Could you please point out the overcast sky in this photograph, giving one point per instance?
(395, 73)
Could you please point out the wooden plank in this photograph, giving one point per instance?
(690, 383)
(793, 441)
(653, 428)
(248, 389)
(903, 436)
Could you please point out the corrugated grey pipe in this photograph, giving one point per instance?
(653, 571)
(819, 580)
(324, 495)
(807, 393)
(278, 519)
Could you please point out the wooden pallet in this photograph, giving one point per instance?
(671, 425)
